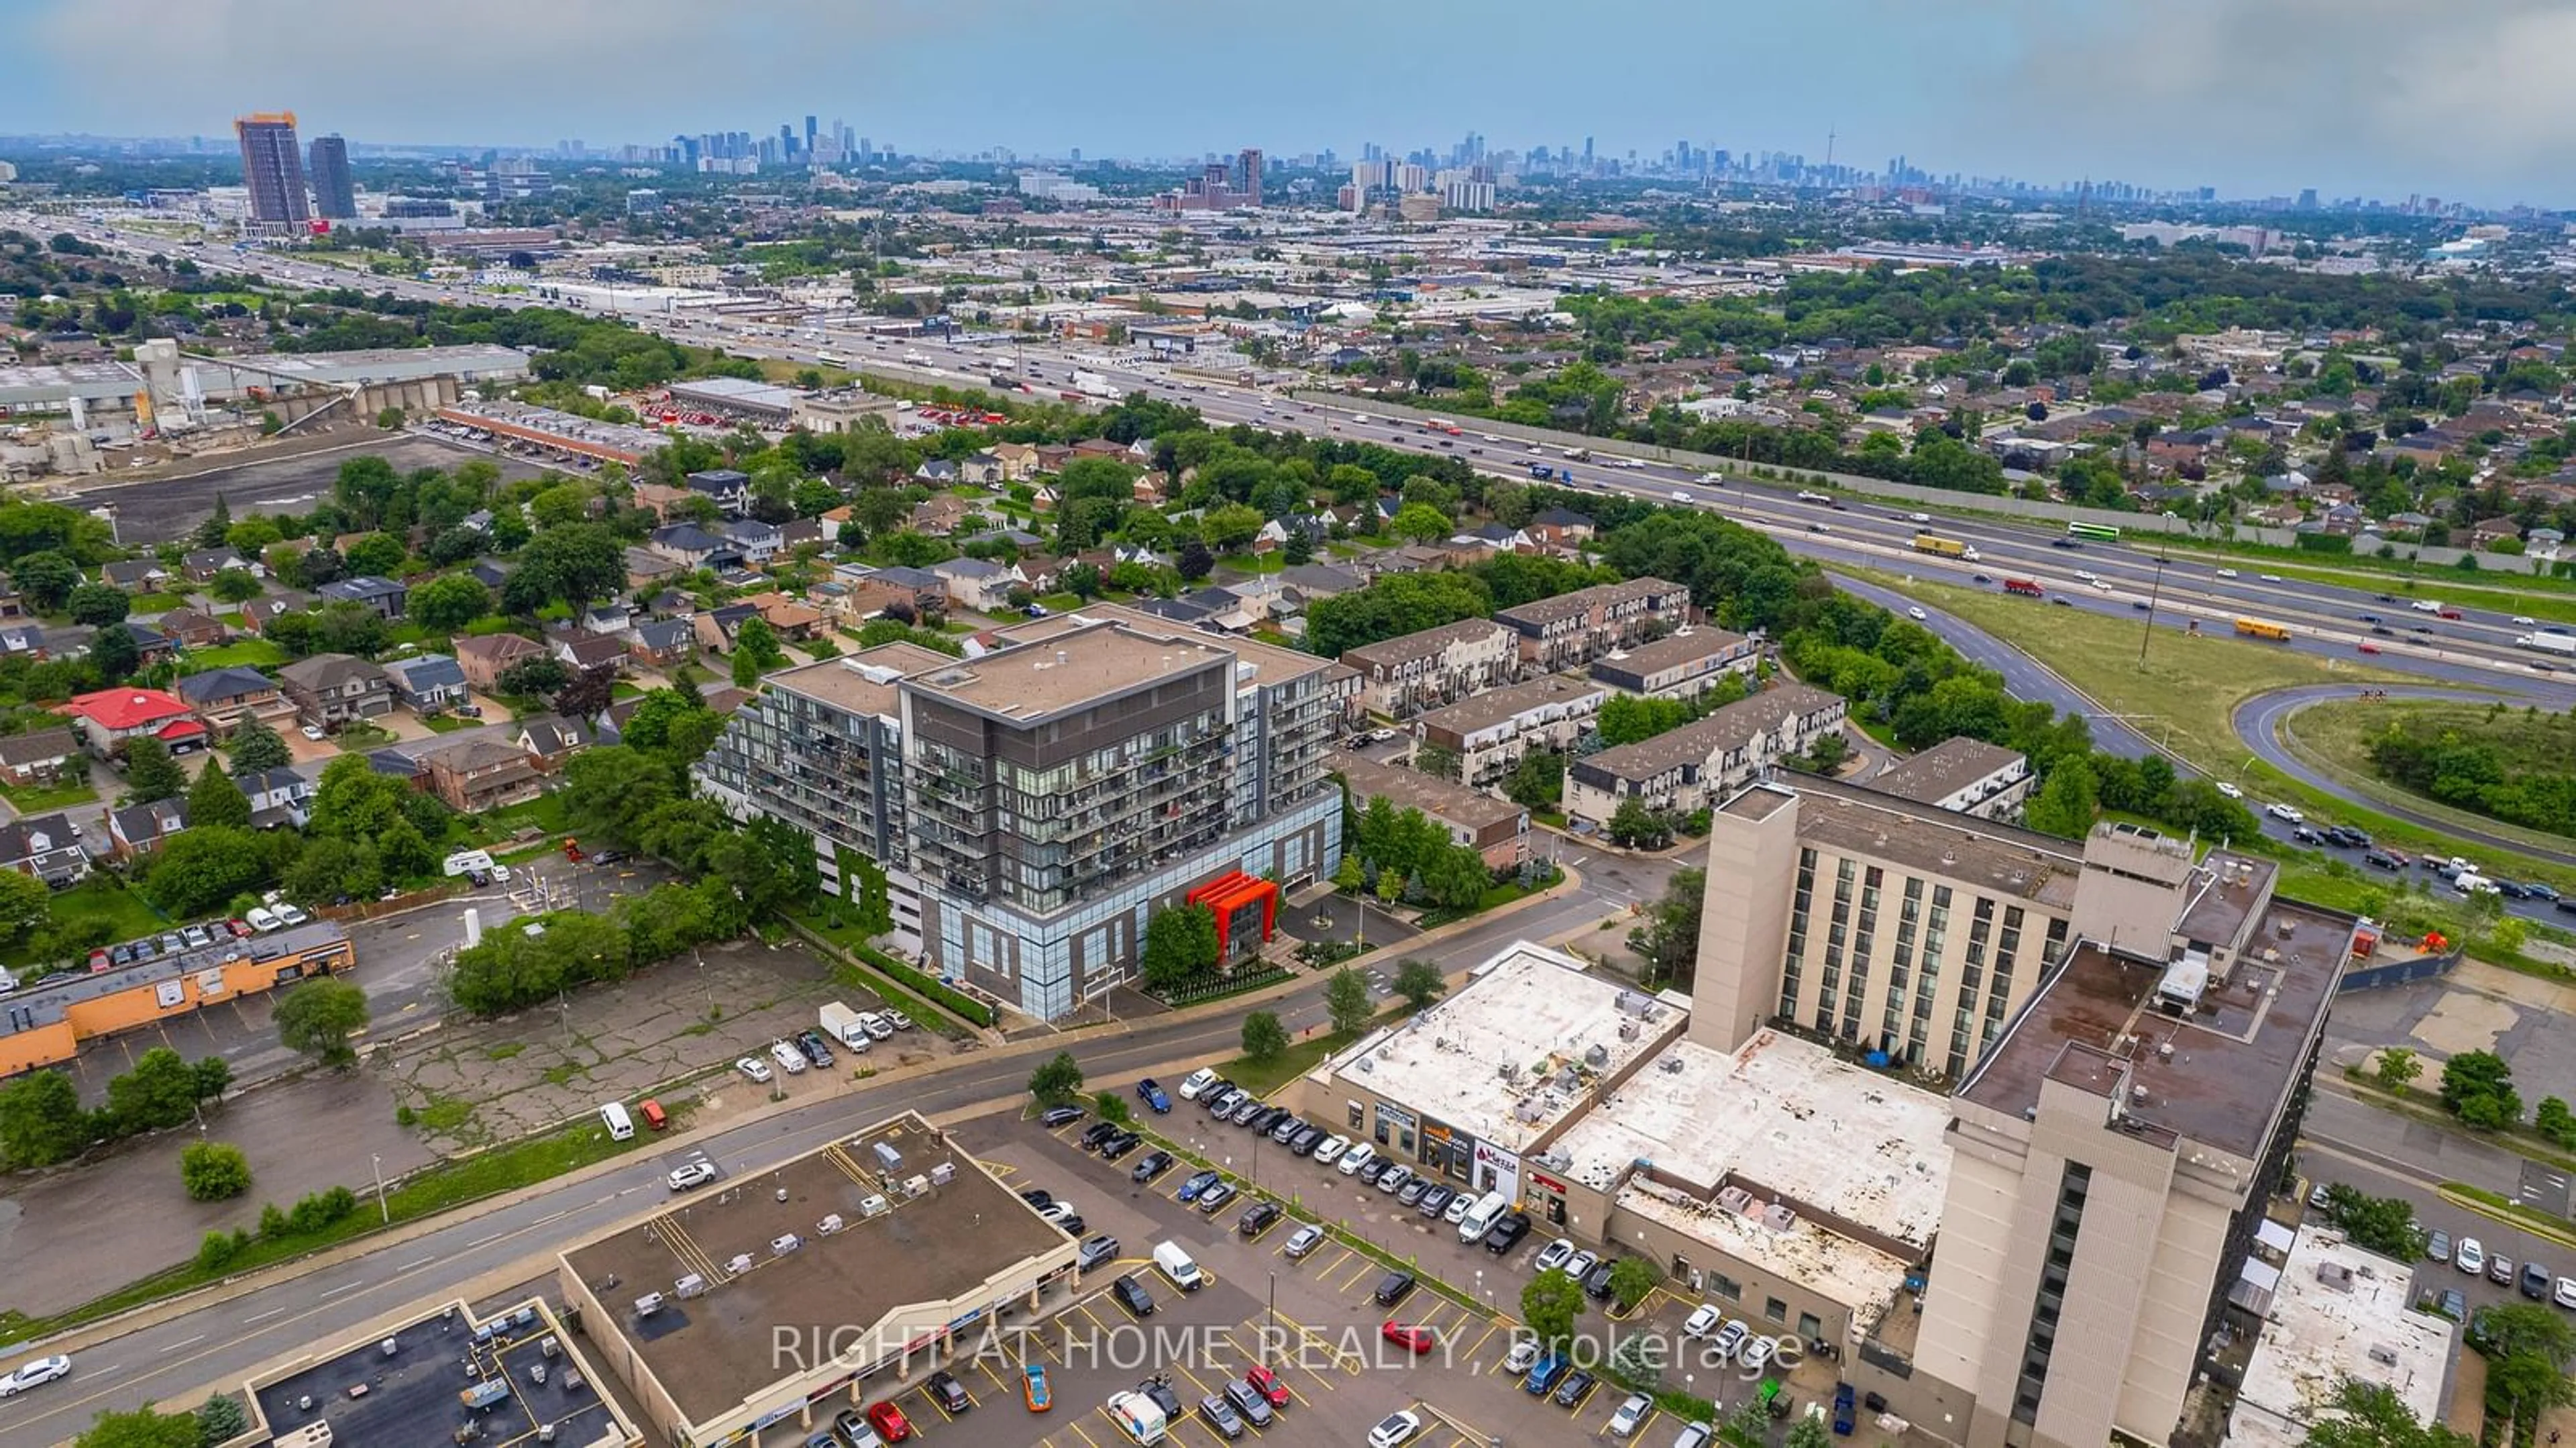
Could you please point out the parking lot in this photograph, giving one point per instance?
(1314, 1320)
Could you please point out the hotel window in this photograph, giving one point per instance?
(1726, 1287)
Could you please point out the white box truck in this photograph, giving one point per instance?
(843, 1024)
(2563, 645)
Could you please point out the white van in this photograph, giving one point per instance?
(621, 1127)
(1481, 1217)
(1176, 1265)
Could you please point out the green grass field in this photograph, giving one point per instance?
(99, 897)
(41, 799)
(246, 653)
(2185, 697)
(2336, 736)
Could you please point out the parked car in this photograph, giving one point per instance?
(1213, 1200)
(1151, 1093)
(1576, 1387)
(1095, 1250)
(692, 1174)
(1596, 1283)
(1303, 1242)
(1060, 1116)
(1306, 1140)
(1554, 1255)
(789, 1059)
(1119, 1145)
(1033, 1388)
(1197, 1182)
(1249, 1404)
(1623, 1423)
(1702, 1321)
(755, 1068)
(1507, 1233)
(1395, 1429)
(1436, 1201)
(1131, 1294)
(1412, 1337)
(889, 1421)
(1150, 1166)
(1272, 1387)
(2471, 1256)
(1394, 1287)
(1257, 1218)
(948, 1393)
(2437, 1247)
(1099, 1132)
(811, 1043)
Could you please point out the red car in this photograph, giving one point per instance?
(1412, 1339)
(2369, 648)
(1267, 1384)
(889, 1421)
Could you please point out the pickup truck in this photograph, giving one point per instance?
(1150, 1091)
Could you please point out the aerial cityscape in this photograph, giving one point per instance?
(1825, 757)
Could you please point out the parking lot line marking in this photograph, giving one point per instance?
(1084, 1436)
(1486, 1336)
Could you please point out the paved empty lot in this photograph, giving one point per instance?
(158, 511)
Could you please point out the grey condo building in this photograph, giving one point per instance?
(1033, 805)
(335, 196)
(273, 169)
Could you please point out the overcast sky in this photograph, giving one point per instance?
(2255, 97)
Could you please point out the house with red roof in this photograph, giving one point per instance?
(106, 719)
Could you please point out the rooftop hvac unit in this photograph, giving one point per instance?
(738, 1264)
(786, 1244)
(1627, 1031)
(1670, 1065)
(648, 1304)
(828, 1225)
(690, 1286)
(914, 1186)
(2382, 1354)
(872, 1205)
(888, 1158)
(942, 1174)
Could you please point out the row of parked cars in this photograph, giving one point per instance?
(181, 939)
(812, 1049)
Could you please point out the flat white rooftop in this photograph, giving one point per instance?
(1514, 1052)
(2339, 1312)
(1787, 1119)
(1862, 1277)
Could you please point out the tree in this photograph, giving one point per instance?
(538, 676)
(1230, 526)
(215, 800)
(162, 1090)
(449, 601)
(1346, 998)
(1420, 522)
(115, 654)
(214, 1171)
(41, 1120)
(1809, 1432)
(98, 604)
(1110, 1106)
(2398, 1067)
(25, 905)
(142, 1428)
(2515, 1329)
(1537, 781)
(1549, 1304)
(2385, 1225)
(319, 1016)
(755, 651)
(376, 554)
(2477, 1087)
(200, 868)
(150, 773)
(1180, 946)
(1669, 940)
(235, 585)
(221, 1420)
(1194, 561)
(2065, 805)
(257, 748)
(1264, 1038)
(1420, 983)
(1631, 1278)
(1635, 826)
(1057, 1080)
(572, 564)
(46, 579)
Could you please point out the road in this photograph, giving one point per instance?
(216, 1344)
(2261, 722)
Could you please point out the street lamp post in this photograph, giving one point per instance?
(383, 1207)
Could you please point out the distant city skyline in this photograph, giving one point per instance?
(2253, 97)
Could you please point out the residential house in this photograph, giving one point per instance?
(660, 641)
(1963, 774)
(1309, 581)
(646, 568)
(1403, 676)
(1493, 538)
(1575, 628)
(427, 683)
(691, 546)
(151, 645)
(1490, 731)
(1683, 664)
(279, 798)
(230, 697)
(1560, 530)
(1684, 770)
(1052, 457)
(135, 575)
(2486, 533)
(582, 652)
(334, 689)
(1017, 460)
(482, 774)
(551, 739)
(45, 846)
(41, 758)
(486, 658)
(979, 584)
(658, 498)
(22, 641)
(797, 533)
(1495, 828)
(936, 473)
(204, 563)
(605, 618)
(983, 470)
(187, 628)
(873, 590)
(728, 488)
(105, 720)
(787, 618)
(492, 573)
(754, 541)
(380, 596)
(939, 516)
(715, 627)
(140, 829)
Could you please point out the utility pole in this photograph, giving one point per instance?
(2155, 591)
